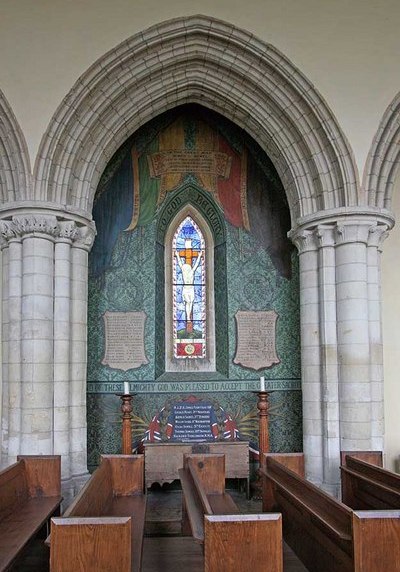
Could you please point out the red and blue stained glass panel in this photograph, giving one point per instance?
(189, 291)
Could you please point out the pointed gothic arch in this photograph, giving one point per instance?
(383, 160)
(202, 60)
(15, 169)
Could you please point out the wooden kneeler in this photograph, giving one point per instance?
(243, 542)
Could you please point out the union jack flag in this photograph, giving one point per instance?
(153, 433)
(231, 430)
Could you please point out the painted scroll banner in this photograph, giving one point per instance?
(255, 348)
(182, 161)
(124, 340)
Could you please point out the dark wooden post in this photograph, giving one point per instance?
(126, 408)
(263, 438)
(263, 426)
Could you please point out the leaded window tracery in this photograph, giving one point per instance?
(189, 295)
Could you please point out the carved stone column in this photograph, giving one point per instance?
(353, 334)
(4, 355)
(377, 234)
(62, 349)
(313, 430)
(341, 340)
(325, 236)
(11, 335)
(78, 356)
(44, 337)
(30, 325)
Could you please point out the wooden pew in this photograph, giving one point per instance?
(326, 534)
(367, 486)
(30, 493)
(245, 542)
(212, 517)
(203, 492)
(103, 527)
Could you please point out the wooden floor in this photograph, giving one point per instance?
(164, 549)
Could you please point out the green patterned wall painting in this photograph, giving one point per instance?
(255, 284)
(255, 268)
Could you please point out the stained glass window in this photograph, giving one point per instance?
(189, 291)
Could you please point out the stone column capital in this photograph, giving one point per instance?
(68, 231)
(21, 225)
(8, 232)
(85, 237)
(353, 231)
(344, 230)
(378, 233)
(47, 225)
(325, 235)
(350, 225)
(305, 241)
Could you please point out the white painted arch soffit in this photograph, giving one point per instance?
(206, 61)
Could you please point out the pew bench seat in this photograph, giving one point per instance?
(325, 533)
(211, 516)
(109, 511)
(29, 497)
(203, 492)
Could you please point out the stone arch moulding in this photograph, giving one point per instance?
(384, 159)
(15, 169)
(201, 60)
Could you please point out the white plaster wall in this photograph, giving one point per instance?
(391, 337)
(347, 49)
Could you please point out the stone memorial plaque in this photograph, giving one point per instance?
(192, 422)
(255, 347)
(124, 340)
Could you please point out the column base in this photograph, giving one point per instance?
(70, 488)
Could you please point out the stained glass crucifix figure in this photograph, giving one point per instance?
(188, 272)
(189, 292)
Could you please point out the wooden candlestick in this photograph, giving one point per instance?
(126, 408)
(263, 438)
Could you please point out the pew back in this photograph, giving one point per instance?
(327, 535)
(227, 535)
(232, 541)
(315, 525)
(95, 496)
(210, 470)
(373, 457)
(203, 487)
(376, 537)
(89, 544)
(366, 486)
(110, 505)
(30, 493)
(13, 487)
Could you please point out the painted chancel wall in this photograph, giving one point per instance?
(260, 272)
